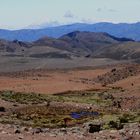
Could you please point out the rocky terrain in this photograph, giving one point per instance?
(130, 131)
(88, 103)
(117, 74)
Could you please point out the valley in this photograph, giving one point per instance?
(69, 70)
(82, 85)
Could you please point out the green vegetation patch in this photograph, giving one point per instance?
(23, 98)
(98, 97)
(117, 121)
(39, 112)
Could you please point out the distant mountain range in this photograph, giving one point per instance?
(122, 30)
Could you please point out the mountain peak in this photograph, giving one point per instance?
(93, 36)
(72, 34)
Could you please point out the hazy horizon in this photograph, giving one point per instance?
(16, 14)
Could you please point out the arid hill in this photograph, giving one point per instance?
(76, 49)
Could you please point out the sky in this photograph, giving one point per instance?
(16, 14)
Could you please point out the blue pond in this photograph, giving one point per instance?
(78, 115)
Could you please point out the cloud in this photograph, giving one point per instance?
(69, 14)
(99, 9)
(105, 10)
(87, 20)
(112, 10)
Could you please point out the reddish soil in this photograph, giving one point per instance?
(51, 82)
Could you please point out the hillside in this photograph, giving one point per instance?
(78, 43)
(76, 49)
(74, 44)
(13, 46)
(99, 45)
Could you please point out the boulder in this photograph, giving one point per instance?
(2, 109)
(94, 128)
(37, 130)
